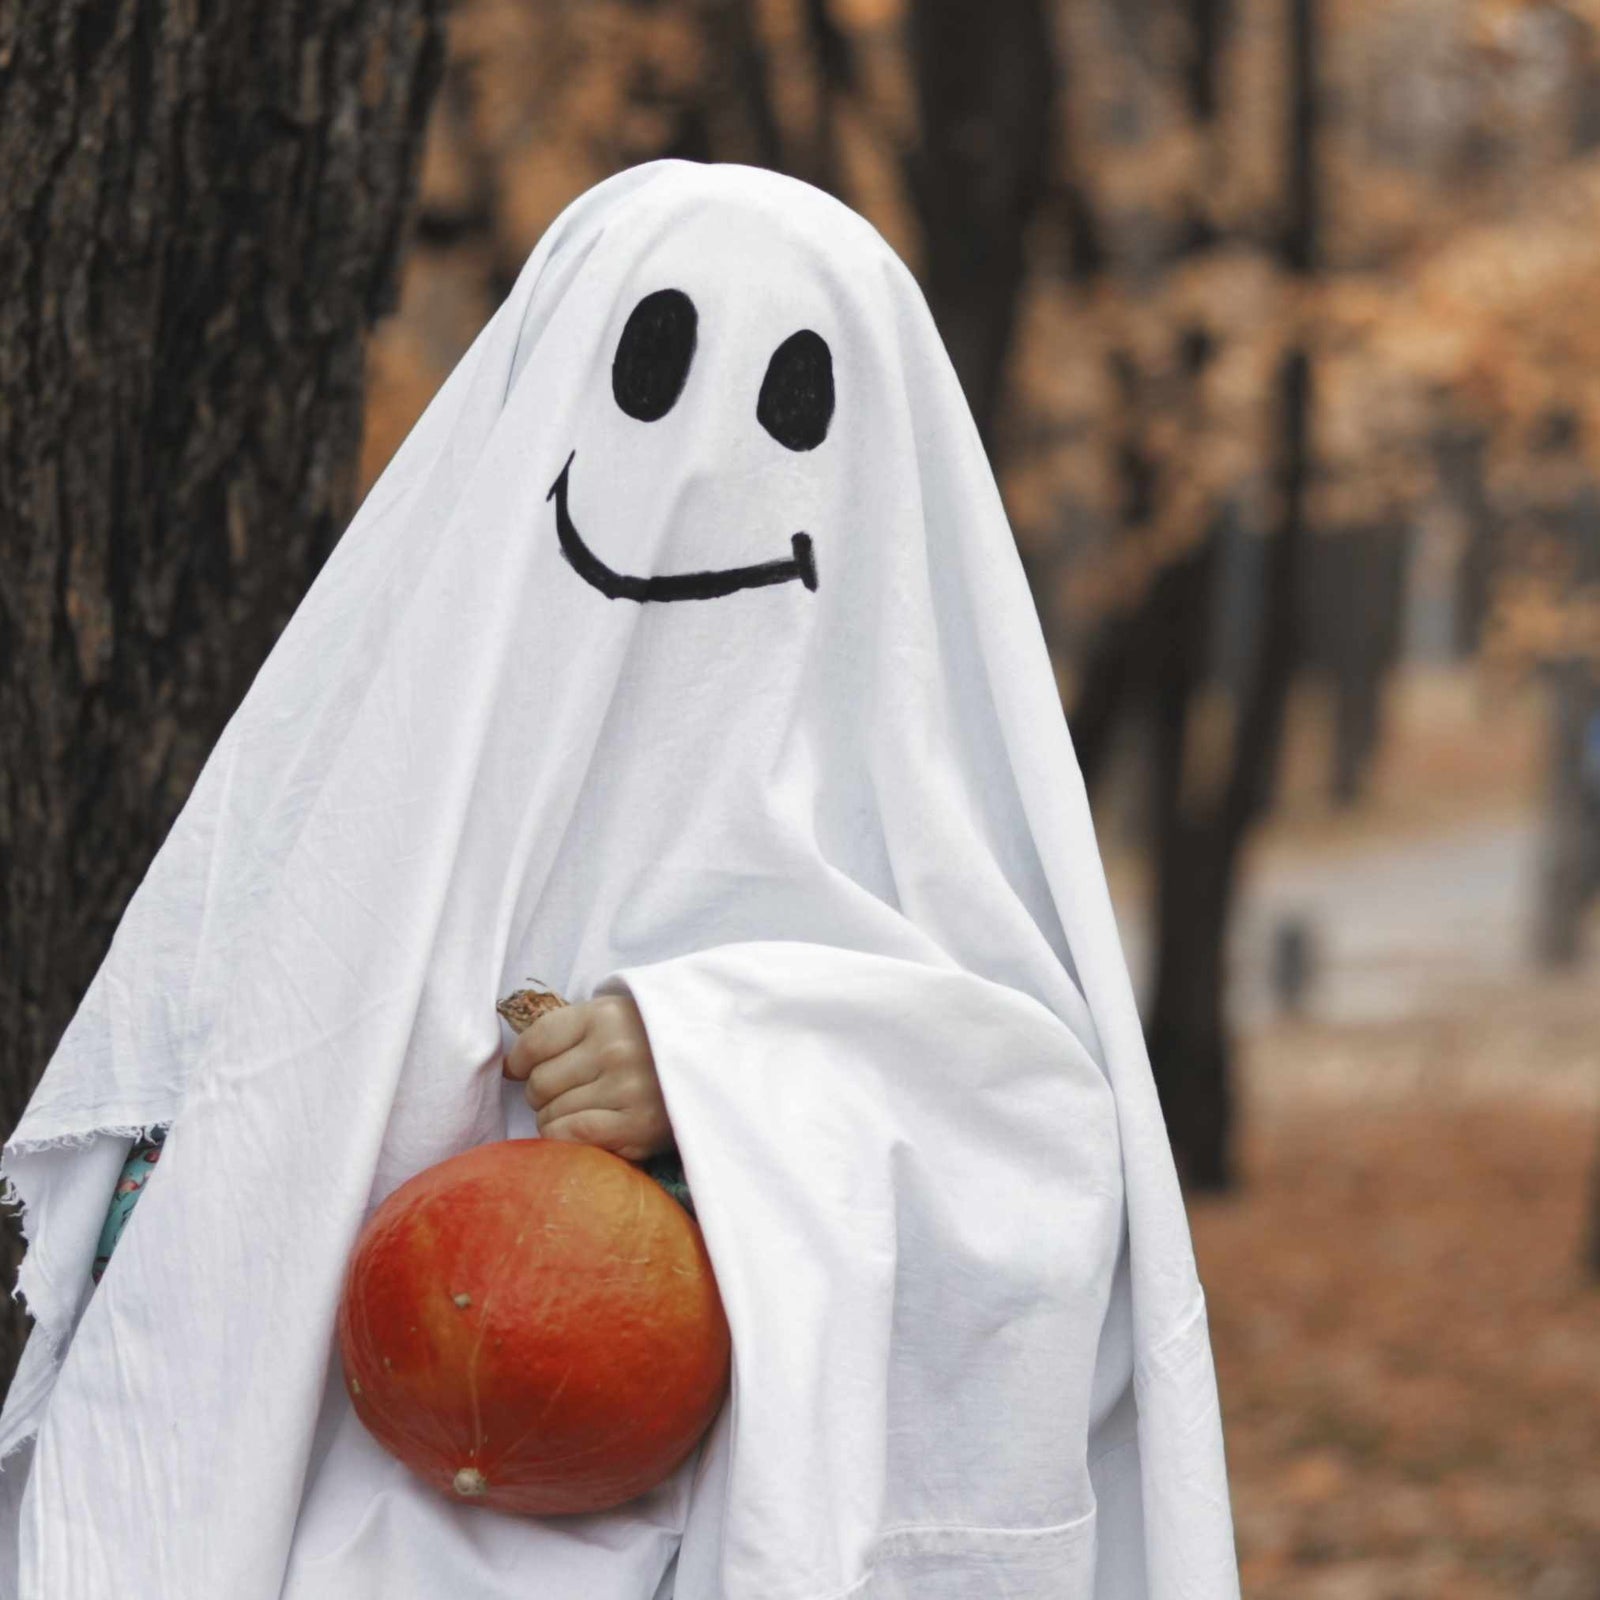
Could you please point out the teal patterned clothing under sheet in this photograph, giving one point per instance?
(136, 1172)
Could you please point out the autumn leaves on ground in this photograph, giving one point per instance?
(1406, 1351)
(1407, 1348)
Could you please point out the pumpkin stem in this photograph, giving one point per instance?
(525, 1006)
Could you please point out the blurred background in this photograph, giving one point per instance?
(1281, 320)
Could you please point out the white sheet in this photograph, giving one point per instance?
(829, 832)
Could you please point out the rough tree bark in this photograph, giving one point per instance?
(202, 213)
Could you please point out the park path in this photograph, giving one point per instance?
(1400, 928)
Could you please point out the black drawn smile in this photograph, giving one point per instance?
(680, 585)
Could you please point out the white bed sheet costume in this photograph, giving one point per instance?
(713, 677)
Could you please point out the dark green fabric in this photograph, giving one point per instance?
(667, 1170)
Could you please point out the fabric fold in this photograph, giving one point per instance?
(909, 1182)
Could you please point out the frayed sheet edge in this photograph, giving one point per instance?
(11, 1195)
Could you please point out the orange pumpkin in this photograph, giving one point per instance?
(534, 1326)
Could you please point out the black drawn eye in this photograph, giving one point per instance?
(653, 354)
(796, 403)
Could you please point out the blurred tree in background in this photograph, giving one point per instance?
(202, 214)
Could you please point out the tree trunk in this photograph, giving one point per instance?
(1199, 845)
(1194, 880)
(1353, 605)
(1459, 459)
(1591, 1250)
(985, 79)
(834, 69)
(202, 213)
(1569, 875)
(734, 108)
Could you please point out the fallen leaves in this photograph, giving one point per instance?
(1408, 1349)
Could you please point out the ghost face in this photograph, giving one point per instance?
(648, 374)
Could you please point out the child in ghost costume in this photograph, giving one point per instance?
(683, 653)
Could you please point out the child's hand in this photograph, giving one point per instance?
(592, 1079)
